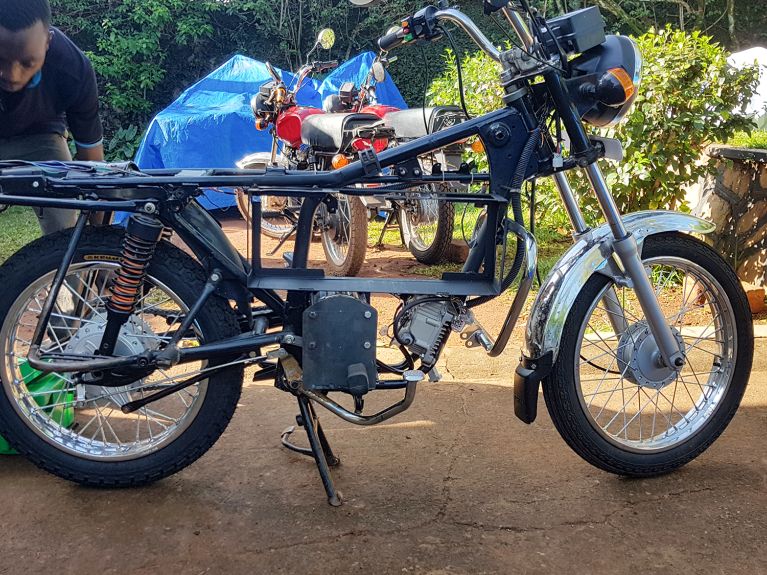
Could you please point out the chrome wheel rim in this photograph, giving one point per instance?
(93, 426)
(336, 234)
(420, 220)
(278, 214)
(649, 414)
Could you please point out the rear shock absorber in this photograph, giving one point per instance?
(141, 237)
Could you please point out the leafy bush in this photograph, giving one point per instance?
(123, 143)
(685, 102)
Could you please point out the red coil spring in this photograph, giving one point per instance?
(126, 288)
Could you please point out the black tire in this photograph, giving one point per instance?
(179, 272)
(433, 250)
(273, 223)
(568, 408)
(345, 244)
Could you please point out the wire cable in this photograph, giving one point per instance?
(457, 57)
(425, 88)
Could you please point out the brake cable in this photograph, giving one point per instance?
(427, 73)
(457, 57)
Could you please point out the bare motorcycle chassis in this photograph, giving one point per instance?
(515, 150)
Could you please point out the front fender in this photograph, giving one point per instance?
(592, 253)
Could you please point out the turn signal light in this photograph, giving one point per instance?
(477, 146)
(624, 80)
(339, 161)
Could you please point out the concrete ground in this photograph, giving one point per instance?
(455, 485)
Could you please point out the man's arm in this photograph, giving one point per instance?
(90, 153)
(83, 118)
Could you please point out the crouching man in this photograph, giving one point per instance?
(47, 88)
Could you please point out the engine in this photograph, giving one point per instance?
(424, 323)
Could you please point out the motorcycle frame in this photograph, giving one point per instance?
(165, 195)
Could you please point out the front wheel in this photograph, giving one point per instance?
(344, 235)
(607, 394)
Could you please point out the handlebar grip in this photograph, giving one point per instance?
(392, 40)
(324, 66)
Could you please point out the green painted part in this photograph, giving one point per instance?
(52, 390)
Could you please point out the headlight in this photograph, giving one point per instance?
(605, 81)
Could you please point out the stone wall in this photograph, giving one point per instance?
(735, 199)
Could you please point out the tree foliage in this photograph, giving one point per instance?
(688, 100)
(147, 51)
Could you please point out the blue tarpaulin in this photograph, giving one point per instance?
(210, 125)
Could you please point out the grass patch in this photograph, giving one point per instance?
(755, 140)
(550, 249)
(18, 227)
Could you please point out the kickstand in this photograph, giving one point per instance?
(320, 448)
(391, 217)
(283, 239)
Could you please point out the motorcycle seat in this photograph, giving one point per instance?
(410, 123)
(331, 133)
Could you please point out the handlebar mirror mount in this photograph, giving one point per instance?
(273, 72)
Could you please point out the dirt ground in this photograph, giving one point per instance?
(455, 485)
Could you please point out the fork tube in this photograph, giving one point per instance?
(58, 279)
(625, 247)
(610, 299)
(606, 201)
(571, 205)
(520, 27)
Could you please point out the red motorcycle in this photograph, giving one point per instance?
(312, 139)
(425, 223)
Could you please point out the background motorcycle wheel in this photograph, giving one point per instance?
(78, 431)
(427, 227)
(615, 407)
(278, 213)
(345, 235)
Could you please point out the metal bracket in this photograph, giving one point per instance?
(370, 162)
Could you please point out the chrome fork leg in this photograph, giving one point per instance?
(610, 300)
(626, 249)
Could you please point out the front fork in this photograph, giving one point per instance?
(626, 249)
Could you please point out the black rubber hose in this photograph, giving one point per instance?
(516, 209)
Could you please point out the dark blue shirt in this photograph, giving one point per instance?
(63, 95)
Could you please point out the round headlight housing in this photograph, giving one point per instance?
(605, 81)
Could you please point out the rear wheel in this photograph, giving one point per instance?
(76, 430)
(609, 397)
(427, 227)
(344, 235)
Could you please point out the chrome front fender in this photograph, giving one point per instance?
(592, 253)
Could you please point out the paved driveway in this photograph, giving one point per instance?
(455, 485)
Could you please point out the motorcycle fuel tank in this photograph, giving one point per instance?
(289, 124)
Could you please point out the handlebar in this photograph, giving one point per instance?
(428, 16)
(392, 40)
(320, 67)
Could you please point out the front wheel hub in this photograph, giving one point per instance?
(640, 360)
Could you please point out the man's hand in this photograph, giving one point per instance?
(92, 154)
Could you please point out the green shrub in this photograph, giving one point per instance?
(685, 103)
